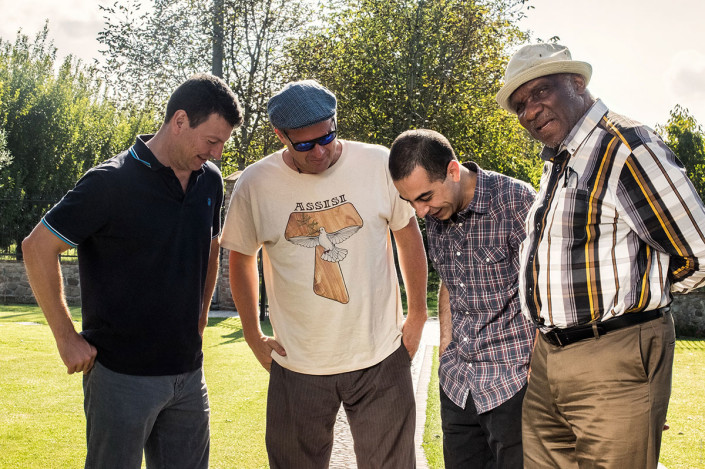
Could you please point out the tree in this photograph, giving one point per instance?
(400, 64)
(57, 124)
(153, 45)
(687, 140)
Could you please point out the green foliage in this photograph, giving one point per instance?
(56, 123)
(687, 140)
(154, 45)
(400, 64)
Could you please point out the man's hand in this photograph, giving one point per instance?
(262, 348)
(445, 341)
(411, 333)
(76, 353)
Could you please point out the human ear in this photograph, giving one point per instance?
(180, 120)
(453, 170)
(578, 83)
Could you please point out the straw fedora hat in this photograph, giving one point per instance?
(538, 60)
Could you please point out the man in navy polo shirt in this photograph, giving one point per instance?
(146, 224)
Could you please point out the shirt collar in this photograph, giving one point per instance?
(579, 133)
(481, 198)
(141, 152)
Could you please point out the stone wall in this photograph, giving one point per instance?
(688, 310)
(14, 287)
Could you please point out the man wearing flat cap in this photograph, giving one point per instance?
(321, 209)
(615, 229)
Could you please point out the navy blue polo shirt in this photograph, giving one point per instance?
(143, 247)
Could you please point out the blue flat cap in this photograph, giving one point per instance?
(300, 104)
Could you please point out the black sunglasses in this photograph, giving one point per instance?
(309, 144)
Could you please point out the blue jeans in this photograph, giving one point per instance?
(166, 416)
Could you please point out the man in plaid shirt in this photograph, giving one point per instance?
(474, 224)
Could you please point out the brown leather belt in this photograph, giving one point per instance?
(563, 337)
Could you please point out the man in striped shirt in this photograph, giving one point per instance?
(616, 227)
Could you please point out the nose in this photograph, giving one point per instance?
(531, 109)
(317, 150)
(217, 152)
(421, 209)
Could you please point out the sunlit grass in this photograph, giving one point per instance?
(683, 445)
(41, 407)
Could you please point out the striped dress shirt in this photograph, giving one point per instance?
(616, 226)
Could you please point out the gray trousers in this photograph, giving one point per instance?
(166, 416)
(379, 403)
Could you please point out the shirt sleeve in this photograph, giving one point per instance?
(523, 196)
(663, 208)
(83, 211)
(239, 230)
(401, 210)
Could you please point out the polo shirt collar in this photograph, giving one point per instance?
(579, 133)
(141, 152)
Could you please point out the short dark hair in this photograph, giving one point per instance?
(202, 95)
(420, 147)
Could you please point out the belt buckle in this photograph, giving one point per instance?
(553, 338)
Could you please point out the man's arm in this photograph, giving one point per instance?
(41, 251)
(666, 213)
(412, 263)
(445, 319)
(244, 282)
(209, 287)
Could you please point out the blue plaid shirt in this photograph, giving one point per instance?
(475, 254)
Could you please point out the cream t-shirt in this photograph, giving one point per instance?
(334, 300)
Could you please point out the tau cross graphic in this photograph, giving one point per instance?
(324, 230)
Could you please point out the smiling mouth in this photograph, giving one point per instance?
(539, 128)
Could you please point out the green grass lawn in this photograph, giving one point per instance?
(41, 407)
(683, 445)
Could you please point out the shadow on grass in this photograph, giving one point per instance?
(26, 316)
(690, 343)
(233, 329)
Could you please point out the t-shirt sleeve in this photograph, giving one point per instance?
(239, 230)
(402, 211)
(82, 212)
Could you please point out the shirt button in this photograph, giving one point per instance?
(462, 285)
(457, 253)
(487, 260)
(465, 339)
(467, 312)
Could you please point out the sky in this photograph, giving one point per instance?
(645, 60)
